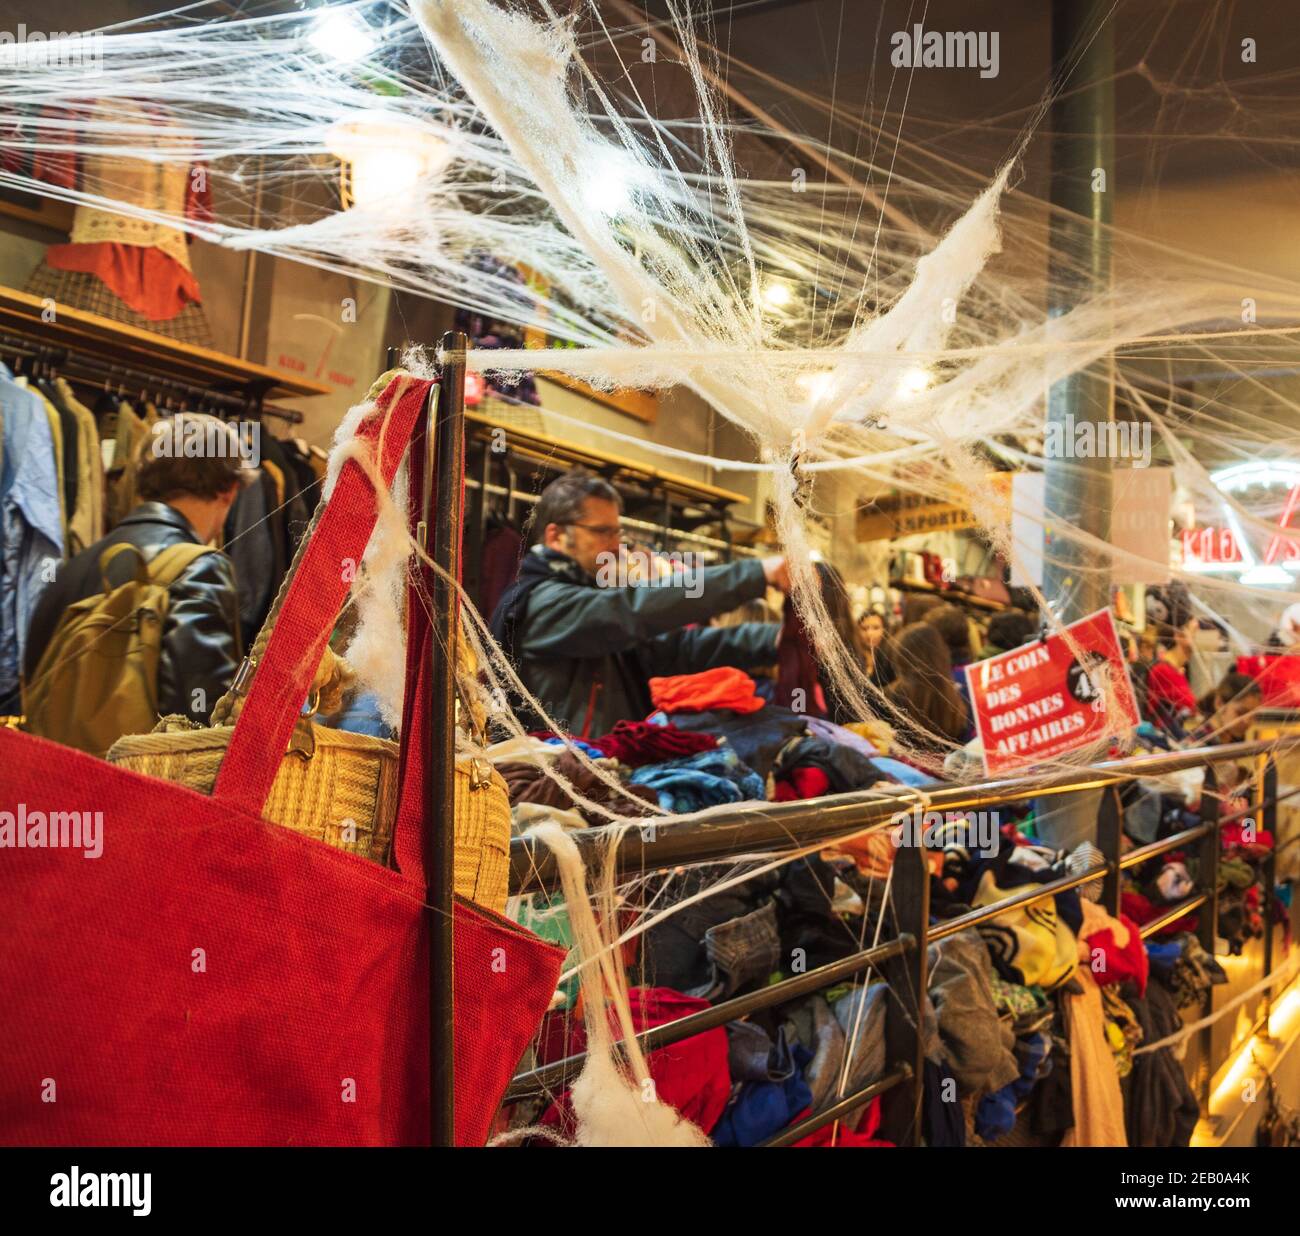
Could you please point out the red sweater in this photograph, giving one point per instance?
(1168, 688)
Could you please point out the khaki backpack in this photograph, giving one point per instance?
(98, 678)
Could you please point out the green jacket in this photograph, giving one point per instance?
(587, 652)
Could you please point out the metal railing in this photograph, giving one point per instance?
(903, 961)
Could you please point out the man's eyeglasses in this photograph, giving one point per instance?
(603, 530)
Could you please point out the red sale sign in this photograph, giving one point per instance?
(1053, 696)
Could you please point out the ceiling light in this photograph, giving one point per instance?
(913, 382)
(776, 294)
(344, 37)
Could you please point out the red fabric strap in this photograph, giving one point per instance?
(410, 837)
(316, 594)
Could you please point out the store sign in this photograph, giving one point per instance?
(1210, 547)
(1045, 699)
(908, 514)
(898, 515)
(1225, 548)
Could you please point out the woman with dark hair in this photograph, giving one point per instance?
(953, 625)
(799, 669)
(875, 654)
(927, 709)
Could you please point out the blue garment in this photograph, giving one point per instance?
(31, 524)
(896, 770)
(996, 1114)
(701, 780)
(758, 1109)
(362, 716)
(595, 752)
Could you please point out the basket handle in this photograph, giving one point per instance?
(297, 638)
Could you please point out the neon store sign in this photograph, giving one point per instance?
(1225, 548)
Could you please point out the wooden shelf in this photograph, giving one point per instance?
(116, 342)
(547, 449)
(953, 594)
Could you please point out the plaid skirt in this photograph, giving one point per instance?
(89, 293)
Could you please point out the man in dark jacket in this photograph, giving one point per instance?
(585, 637)
(184, 499)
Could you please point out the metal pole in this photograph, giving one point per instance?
(1207, 876)
(1077, 490)
(745, 828)
(1083, 149)
(1266, 818)
(908, 978)
(444, 481)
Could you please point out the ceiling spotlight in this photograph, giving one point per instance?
(344, 37)
(776, 294)
(815, 384)
(914, 381)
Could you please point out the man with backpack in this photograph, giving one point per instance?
(145, 622)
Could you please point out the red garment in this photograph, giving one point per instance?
(691, 1076)
(1123, 965)
(1230, 834)
(144, 279)
(498, 566)
(807, 782)
(1169, 686)
(863, 1135)
(248, 985)
(1140, 910)
(724, 687)
(635, 743)
(797, 667)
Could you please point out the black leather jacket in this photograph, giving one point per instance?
(200, 640)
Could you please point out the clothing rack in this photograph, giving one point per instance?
(903, 960)
(664, 531)
(92, 371)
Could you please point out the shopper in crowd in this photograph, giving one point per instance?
(182, 499)
(951, 622)
(954, 627)
(916, 605)
(925, 707)
(1170, 703)
(1008, 631)
(585, 642)
(875, 654)
(799, 664)
(1229, 709)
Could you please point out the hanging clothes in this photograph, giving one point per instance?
(31, 525)
(1094, 1080)
(132, 268)
(503, 548)
(248, 541)
(60, 457)
(86, 517)
(120, 426)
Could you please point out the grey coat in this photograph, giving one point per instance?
(587, 652)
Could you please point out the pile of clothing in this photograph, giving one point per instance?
(712, 739)
(1034, 1019)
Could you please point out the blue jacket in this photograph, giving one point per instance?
(31, 525)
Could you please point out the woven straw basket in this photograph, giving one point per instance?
(341, 788)
(333, 785)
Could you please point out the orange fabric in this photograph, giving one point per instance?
(146, 280)
(724, 687)
(873, 853)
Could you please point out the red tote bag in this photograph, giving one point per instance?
(214, 979)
